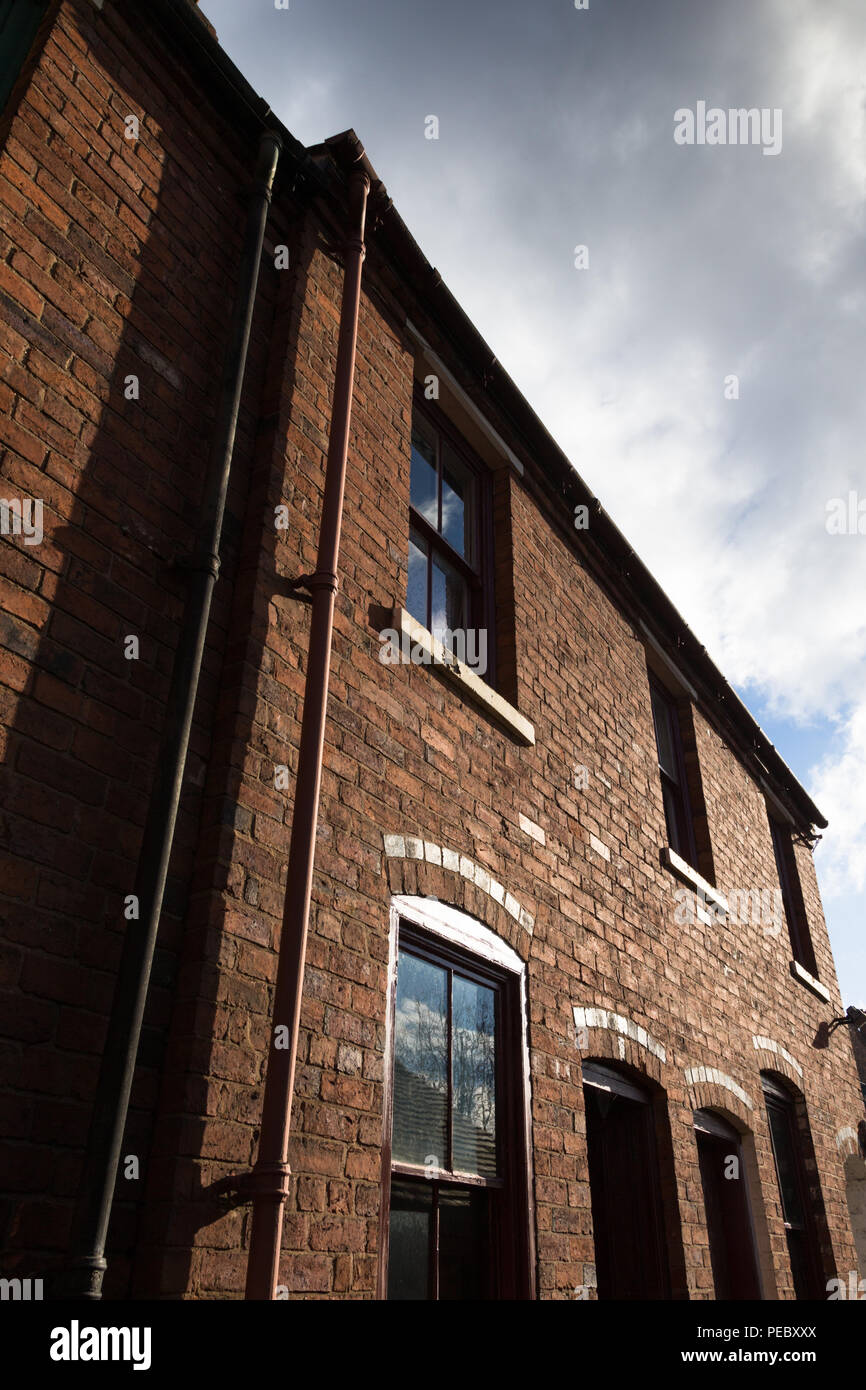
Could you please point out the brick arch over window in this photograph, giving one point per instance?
(423, 868)
(771, 1056)
(609, 1036)
(711, 1089)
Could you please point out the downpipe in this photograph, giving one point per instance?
(268, 1183)
(83, 1273)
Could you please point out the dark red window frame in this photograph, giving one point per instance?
(797, 1209)
(507, 1273)
(672, 772)
(477, 574)
(792, 896)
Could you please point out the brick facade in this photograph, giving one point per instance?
(118, 257)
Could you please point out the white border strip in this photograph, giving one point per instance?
(410, 847)
(763, 1044)
(695, 1075)
(618, 1023)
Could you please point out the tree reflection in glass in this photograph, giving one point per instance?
(420, 1132)
(473, 1064)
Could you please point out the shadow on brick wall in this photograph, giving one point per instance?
(118, 267)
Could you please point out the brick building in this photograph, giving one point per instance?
(567, 962)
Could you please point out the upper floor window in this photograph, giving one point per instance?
(792, 896)
(672, 771)
(450, 584)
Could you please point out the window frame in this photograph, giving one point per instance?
(600, 1076)
(681, 837)
(712, 1130)
(450, 937)
(779, 1100)
(478, 577)
(802, 948)
(414, 942)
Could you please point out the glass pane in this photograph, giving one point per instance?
(422, 479)
(672, 818)
(664, 737)
(420, 1133)
(449, 605)
(456, 503)
(473, 1058)
(416, 592)
(786, 1165)
(409, 1240)
(463, 1221)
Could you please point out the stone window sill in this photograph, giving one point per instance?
(704, 891)
(801, 974)
(417, 639)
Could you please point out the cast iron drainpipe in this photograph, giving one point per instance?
(268, 1183)
(86, 1263)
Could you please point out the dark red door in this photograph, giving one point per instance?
(630, 1254)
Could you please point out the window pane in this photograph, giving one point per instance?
(463, 1219)
(456, 503)
(420, 1064)
(422, 479)
(416, 593)
(473, 1054)
(786, 1165)
(409, 1242)
(672, 819)
(449, 603)
(663, 715)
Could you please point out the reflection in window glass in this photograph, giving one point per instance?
(457, 1206)
(664, 738)
(448, 601)
(416, 594)
(473, 1062)
(420, 1133)
(455, 493)
(422, 479)
(447, 590)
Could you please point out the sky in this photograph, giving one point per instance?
(702, 365)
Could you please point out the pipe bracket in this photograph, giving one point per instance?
(322, 579)
(267, 1180)
(204, 563)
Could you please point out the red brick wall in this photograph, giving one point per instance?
(149, 235)
(116, 258)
